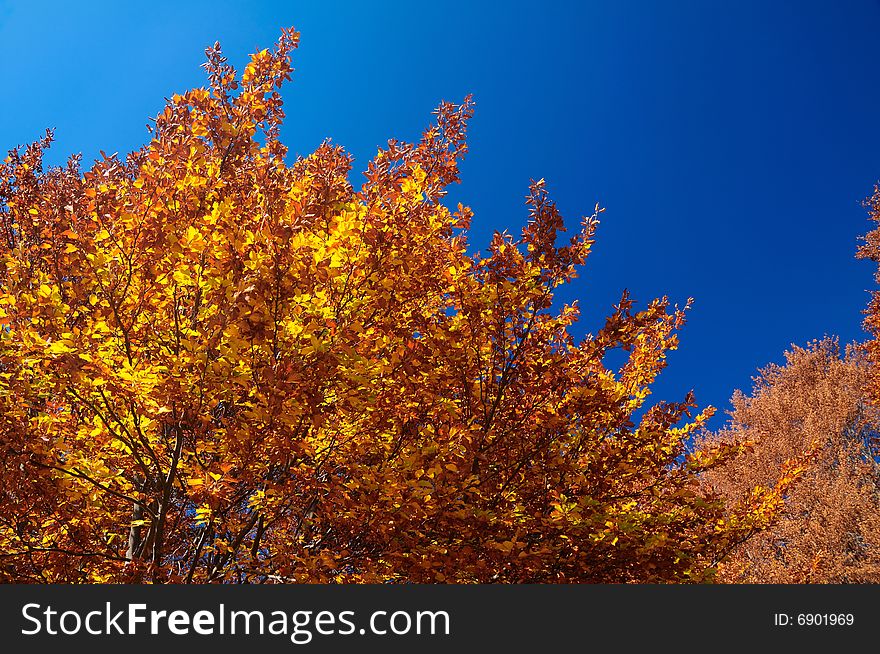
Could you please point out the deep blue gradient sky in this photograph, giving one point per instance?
(731, 143)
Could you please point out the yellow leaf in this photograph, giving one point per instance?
(181, 277)
(58, 348)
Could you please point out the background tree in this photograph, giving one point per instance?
(216, 366)
(829, 530)
(870, 249)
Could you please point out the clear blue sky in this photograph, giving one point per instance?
(731, 142)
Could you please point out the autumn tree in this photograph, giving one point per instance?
(216, 365)
(870, 250)
(829, 529)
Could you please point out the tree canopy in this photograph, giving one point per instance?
(813, 407)
(218, 366)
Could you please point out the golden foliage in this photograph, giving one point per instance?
(218, 367)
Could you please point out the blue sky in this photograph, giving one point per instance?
(731, 143)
